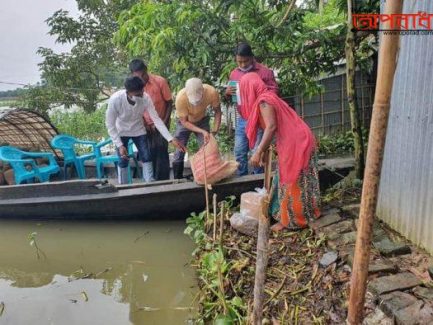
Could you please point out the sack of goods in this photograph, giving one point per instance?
(207, 163)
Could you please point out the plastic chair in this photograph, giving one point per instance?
(66, 144)
(21, 160)
(102, 160)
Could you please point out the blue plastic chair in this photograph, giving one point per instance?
(66, 144)
(102, 160)
(25, 167)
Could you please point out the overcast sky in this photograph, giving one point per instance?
(23, 30)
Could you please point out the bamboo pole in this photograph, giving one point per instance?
(206, 190)
(342, 103)
(262, 246)
(221, 224)
(379, 122)
(214, 215)
(322, 114)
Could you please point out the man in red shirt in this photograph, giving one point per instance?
(246, 63)
(159, 91)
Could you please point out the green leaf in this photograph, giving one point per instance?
(223, 320)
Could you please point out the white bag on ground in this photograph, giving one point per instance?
(244, 224)
(247, 220)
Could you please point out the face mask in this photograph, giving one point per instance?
(247, 68)
(194, 102)
(138, 100)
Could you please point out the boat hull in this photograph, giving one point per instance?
(91, 199)
(165, 201)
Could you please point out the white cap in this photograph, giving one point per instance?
(194, 90)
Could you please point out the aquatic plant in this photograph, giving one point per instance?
(33, 242)
(216, 299)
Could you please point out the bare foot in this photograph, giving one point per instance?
(277, 227)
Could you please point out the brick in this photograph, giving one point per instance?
(415, 314)
(328, 258)
(379, 234)
(327, 211)
(424, 293)
(393, 302)
(400, 281)
(377, 266)
(388, 248)
(382, 267)
(334, 231)
(326, 220)
(352, 209)
(348, 238)
(377, 317)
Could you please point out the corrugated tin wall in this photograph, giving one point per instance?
(406, 188)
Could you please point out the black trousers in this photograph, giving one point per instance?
(159, 152)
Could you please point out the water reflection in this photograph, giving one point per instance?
(133, 273)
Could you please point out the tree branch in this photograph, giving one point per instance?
(289, 8)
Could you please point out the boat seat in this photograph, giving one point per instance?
(66, 144)
(25, 164)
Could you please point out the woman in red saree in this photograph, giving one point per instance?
(296, 194)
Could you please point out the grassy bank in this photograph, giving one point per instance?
(297, 289)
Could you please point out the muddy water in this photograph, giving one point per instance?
(141, 268)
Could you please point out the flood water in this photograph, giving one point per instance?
(142, 273)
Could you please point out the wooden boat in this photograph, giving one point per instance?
(92, 199)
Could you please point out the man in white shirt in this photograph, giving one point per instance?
(124, 121)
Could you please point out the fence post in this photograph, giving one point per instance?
(342, 103)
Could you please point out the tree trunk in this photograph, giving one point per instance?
(376, 144)
(351, 95)
(321, 7)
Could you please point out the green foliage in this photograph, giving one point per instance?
(39, 98)
(360, 6)
(341, 143)
(12, 93)
(197, 223)
(226, 141)
(196, 38)
(331, 16)
(85, 126)
(93, 65)
(193, 145)
(345, 191)
(181, 39)
(8, 103)
(196, 227)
